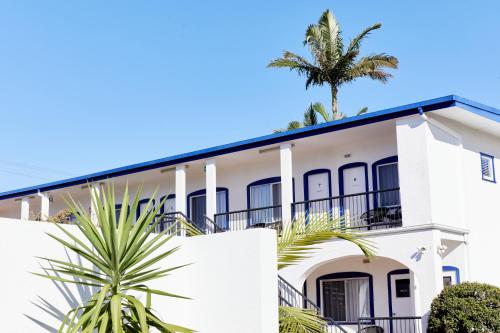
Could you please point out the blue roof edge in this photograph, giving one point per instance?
(368, 118)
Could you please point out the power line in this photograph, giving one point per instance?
(24, 174)
(35, 167)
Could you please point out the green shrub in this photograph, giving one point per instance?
(467, 307)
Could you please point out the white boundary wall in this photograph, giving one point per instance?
(232, 281)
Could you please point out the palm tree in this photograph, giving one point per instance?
(122, 252)
(311, 117)
(334, 64)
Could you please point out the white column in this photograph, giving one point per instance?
(211, 188)
(25, 209)
(414, 174)
(94, 190)
(180, 189)
(286, 181)
(44, 206)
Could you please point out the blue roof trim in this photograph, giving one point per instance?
(368, 118)
(478, 108)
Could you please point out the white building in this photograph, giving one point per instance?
(418, 180)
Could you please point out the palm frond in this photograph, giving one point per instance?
(356, 41)
(363, 110)
(297, 320)
(310, 117)
(299, 238)
(320, 109)
(372, 66)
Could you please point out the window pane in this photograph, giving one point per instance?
(358, 299)
(346, 300)
(198, 209)
(334, 300)
(169, 205)
(264, 196)
(260, 196)
(388, 179)
(403, 288)
(276, 194)
(221, 202)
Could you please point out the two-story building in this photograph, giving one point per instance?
(417, 180)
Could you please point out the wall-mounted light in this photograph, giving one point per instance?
(441, 249)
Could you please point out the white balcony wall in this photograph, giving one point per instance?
(231, 291)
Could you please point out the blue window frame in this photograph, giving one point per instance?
(488, 167)
(141, 205)
(335, 292)
(196, 204)
(385, 177)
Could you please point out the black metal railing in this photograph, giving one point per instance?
(212, 227)
(366, 210)
(177, 223)
(290, 296)
(264, 217)
(335, 327)
(390, 325)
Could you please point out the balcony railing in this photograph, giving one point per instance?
(390, 324)
(264, 217)
(178, 224)
(290, 296)
(366, 210)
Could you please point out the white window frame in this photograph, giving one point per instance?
(491, 164)
(345, 293)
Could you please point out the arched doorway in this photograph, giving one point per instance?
(352, 287)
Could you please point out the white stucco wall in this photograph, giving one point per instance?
(232, 290)
(413, 248)
(481, 200)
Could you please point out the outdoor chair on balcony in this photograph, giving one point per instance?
(372, 329)
(382, 217)
(271, 225)
(374, 216)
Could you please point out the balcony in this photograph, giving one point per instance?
(361, 211)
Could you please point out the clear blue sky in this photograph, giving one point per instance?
(91, 85)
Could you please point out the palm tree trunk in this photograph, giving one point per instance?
(334, 103)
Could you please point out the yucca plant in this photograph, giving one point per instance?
(298, 241)
(118, 258)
